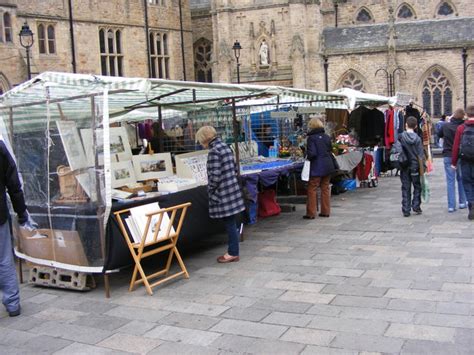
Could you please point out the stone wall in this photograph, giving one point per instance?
(127, 15)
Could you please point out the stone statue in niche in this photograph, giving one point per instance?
(263, 53)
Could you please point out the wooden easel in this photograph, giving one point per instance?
(166, 243)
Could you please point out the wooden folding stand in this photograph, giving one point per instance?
(165, 243)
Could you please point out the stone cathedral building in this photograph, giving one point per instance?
(377, 46)
(414, 46)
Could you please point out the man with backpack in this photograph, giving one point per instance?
(412, 148)
(463, 150)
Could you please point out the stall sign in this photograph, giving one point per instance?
(283, 114)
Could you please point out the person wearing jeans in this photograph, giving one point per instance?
(447, 132)
(453, 176)
(10, 182)
(465, 158)
(225, 196)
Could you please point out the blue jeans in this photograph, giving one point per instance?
(467, 170)
(8, 279)
(230, 224)
(451, 176)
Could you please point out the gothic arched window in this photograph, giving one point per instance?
(202, 60)
(352, 80)
(437, 94)
(405, 12)
(445, 9)
(364, 16)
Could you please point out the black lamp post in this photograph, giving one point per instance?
(26, 41)
(326, 79)
(390, 79)
(465, 66)
(237, 49)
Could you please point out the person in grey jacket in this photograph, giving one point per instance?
(225, 196)
(10, 182)
(410, 175)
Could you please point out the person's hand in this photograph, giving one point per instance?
(26, 222)
(453, 167)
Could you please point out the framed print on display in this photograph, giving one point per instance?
(152, 166)
(122, 174)
(119, 145)
(72, 144)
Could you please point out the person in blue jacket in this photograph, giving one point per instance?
(318, 152)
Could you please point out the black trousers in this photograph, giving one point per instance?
(408, 179)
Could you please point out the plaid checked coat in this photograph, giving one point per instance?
(225, 197)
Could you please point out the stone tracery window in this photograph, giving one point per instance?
(6, 27)
(445, 9)
(202, 60)
(405, 12)
(364, 16)
(352, 80)
(437, 94)
(111, 56)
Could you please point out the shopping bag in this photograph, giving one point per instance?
(425, 189)
(267, 204)
(305, 171)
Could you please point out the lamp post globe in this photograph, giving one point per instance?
(26, 41)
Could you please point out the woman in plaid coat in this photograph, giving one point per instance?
(225, 197)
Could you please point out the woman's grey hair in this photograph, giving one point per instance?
(315, 123)
(205, 134)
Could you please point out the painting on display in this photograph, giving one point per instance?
(122, 174)
(193, 166)
(72, 144)
(119, 145)
(152, 166)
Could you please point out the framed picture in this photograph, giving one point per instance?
(72, 144)
(119, 145)
(192, 166)
(152, 166)
(122, 174)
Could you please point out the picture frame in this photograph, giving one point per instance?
(192, 165)
(120, 149)
(72, 144)
(122, 174)
(152, 166)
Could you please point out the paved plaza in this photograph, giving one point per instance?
(366, 280)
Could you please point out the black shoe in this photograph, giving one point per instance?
(406, 214)
(417, 210)
(307, 217)
(15, 313)
(323, 215)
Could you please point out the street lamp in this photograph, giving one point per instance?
(465, 66)
(326, 66)
(237, 49)
(390, 79)
(26, 41)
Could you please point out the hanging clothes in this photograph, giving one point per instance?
(389, 131)
(368, 125)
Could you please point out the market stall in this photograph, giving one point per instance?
(73, 152)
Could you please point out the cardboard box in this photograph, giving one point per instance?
(56, 245)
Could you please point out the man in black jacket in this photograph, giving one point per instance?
(447, 132)
(410, 175)
(10, 182)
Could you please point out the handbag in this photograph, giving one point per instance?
(305, 171)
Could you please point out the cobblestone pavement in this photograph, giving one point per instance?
(366, 280)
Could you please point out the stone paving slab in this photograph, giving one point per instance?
(367, 280)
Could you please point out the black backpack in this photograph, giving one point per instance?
(398, 157)
(467, 144)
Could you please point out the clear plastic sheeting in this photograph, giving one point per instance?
(61, 161)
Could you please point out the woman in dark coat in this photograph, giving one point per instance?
(225, 198)
(318, 152)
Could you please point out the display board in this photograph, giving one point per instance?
(193, 166)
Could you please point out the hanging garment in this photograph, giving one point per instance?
(389, 128)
